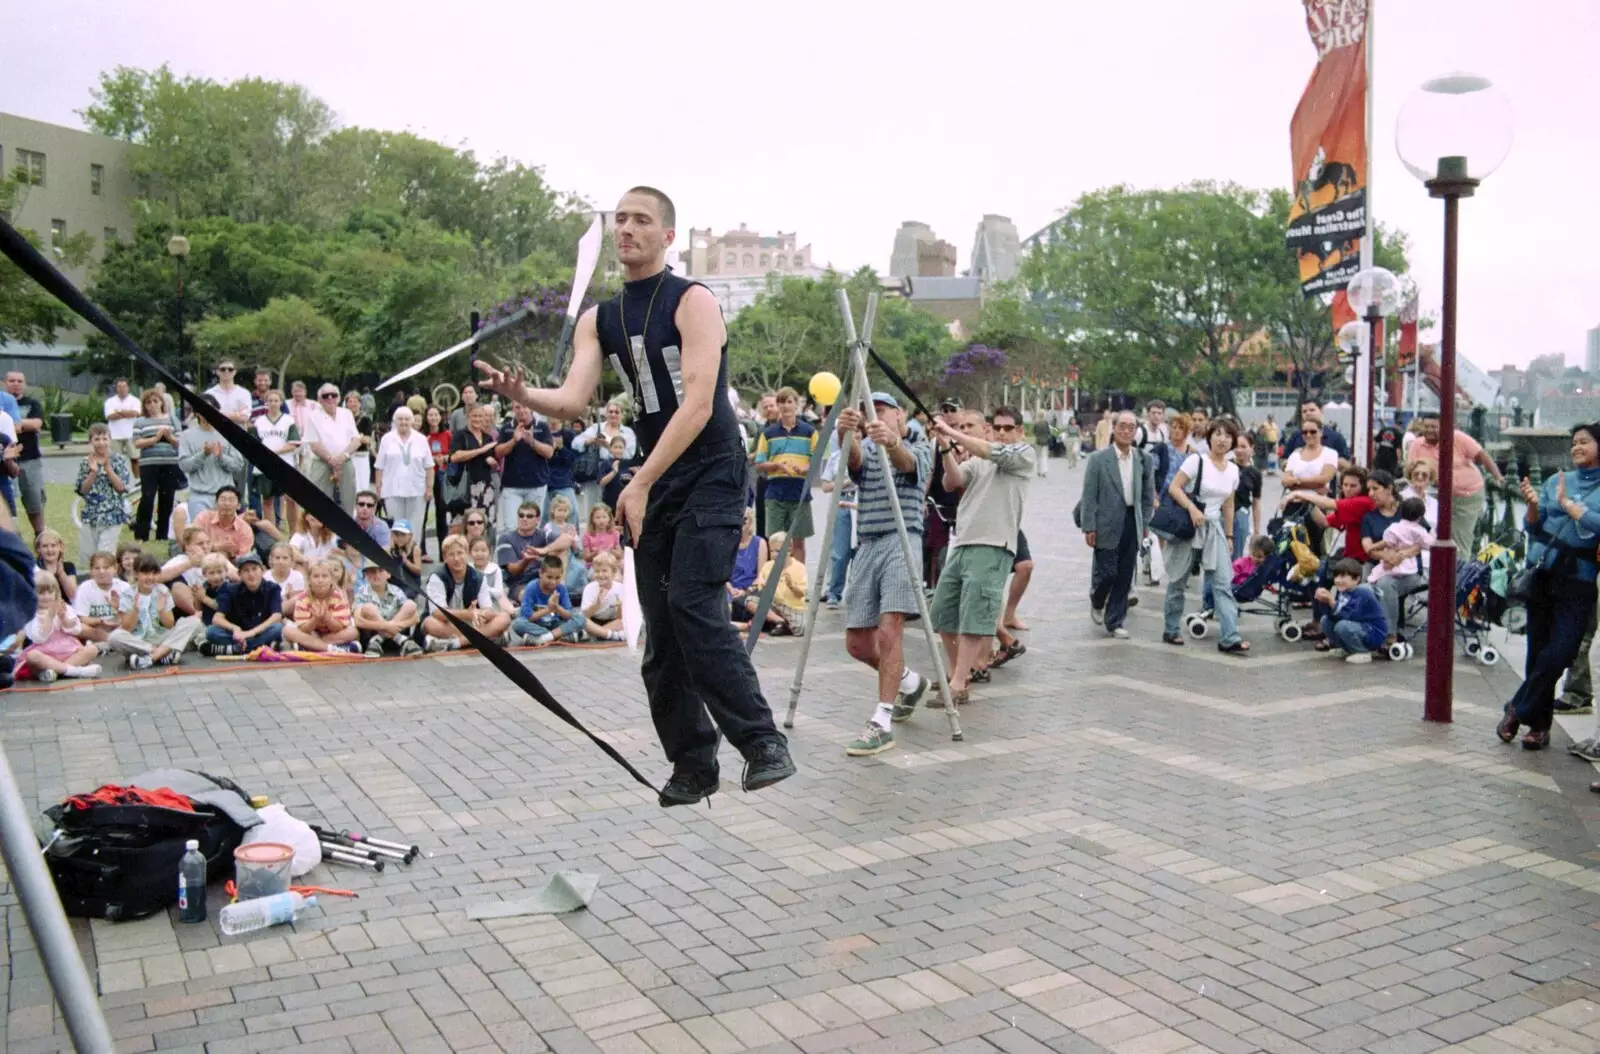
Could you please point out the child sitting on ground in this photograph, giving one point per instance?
(214, 578)
(385, 618)
(100, 600)
(249, 611)
(54, 648)
(547, 614)
(457, 587)
(574, 571)
(1357, 626)
(787, 615)
(151, 633)
(321, 620)
(494, 579)
(602, 600)
(184, 573)
(1405, 533)
(601, 537)
(284, 574)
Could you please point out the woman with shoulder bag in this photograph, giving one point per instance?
(1209, 504)
(1563, 525)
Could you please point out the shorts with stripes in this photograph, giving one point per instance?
(879, 580)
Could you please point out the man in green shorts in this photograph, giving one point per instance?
(993, 478)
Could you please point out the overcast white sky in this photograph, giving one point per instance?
(839, 120)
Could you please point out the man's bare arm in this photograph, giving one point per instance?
(572, 398)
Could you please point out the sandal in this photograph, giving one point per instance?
(1508, 726)
(1536, 740)
(1007, 652)
(961, 698)
(1324, 645)
(1240, 648)
(1174, 639)
(978, 676)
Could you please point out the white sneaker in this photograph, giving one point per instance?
(1359, 658)
(438, 643)
(140, 662)
(1120, 633)
(1097, 616)
(45, 677)
(91, 670)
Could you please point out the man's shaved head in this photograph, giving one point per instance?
(669, 214)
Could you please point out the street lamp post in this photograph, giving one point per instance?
(178, 249)
(1374, 294)
(1451, 134)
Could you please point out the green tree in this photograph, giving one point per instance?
(1157, 287)
(287, 332)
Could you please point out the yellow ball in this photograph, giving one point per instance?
(824, 388)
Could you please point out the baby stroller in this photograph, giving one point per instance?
(1481, 602)
(1286, 577)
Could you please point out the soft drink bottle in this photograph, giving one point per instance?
(192, 884)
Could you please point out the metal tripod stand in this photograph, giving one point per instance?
(862, 388)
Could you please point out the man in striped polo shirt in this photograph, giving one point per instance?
(783, 456)
(881, 588)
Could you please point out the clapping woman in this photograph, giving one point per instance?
(1563, 527)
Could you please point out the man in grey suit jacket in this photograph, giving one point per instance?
(1119, 495)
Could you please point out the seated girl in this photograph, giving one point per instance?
(54, 647)
(601, 537)
(322, 619)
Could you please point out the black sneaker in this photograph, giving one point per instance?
(767, 763)
(1572, 707)
(688, 787)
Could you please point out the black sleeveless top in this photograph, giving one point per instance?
(652, 368)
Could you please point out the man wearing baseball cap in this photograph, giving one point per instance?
(881, 593)
(249, 612)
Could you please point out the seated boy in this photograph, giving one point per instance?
(385, 618)
(249, 612)
(150, 633)
(787, 616)
(457, 587)
(602, 600)
(214, 579)
(1357, 626)
(547, 612)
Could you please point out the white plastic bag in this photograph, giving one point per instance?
(1158, 566)
(278, 826)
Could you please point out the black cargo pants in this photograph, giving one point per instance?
(695, 667)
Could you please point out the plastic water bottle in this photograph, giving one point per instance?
(192, 884)
(258, 914)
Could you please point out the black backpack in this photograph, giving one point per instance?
(120, 861)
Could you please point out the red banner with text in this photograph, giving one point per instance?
(1328, 138)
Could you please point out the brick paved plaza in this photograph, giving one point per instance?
(1135, 849)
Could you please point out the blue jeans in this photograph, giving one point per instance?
(262, 638)
(842, 552)
(1241, 532)
(1345, 634)
(1180, 559)
(571, 629)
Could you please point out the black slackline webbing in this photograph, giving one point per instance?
(289, 481)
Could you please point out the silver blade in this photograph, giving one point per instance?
(583, 271)
(411, 371)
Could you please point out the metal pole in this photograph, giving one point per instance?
(1442, 560)
(825, 566)
(69, 979)
(858, 359)
(1374, 342)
